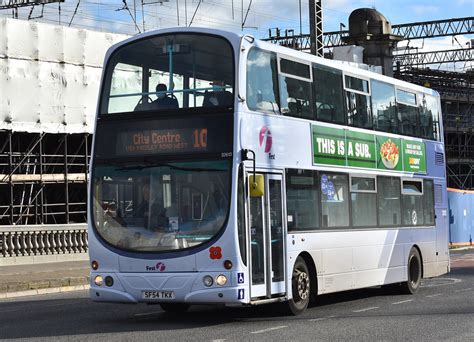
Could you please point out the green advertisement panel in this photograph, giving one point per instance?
(328, 146)
(343, 147)
(414, 156)
(360, 149)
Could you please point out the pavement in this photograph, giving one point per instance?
(27, 280)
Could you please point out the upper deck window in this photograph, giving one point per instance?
(408, 112)
(429, 117)
(169, 72)
(262, 81)
(358, 102)
(328, 94)
(384, 108)
(295, 88)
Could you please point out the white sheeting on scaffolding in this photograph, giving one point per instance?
(49, 76)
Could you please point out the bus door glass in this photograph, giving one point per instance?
(267, 248)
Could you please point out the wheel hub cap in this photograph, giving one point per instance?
(302, 285)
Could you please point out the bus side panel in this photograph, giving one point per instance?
(349, 260)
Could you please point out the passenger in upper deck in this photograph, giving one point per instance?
(218, 96)
(164, 100)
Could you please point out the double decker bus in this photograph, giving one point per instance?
(227, 170)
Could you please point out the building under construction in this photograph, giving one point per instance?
(49, 95)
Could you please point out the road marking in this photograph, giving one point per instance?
(464, 290)
(317, 319)
(434, 295)
(403, 301)
(219, 340)
(269, 329)
(366, 309)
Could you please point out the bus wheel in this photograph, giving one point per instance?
(414, 267)
(174, 307)
(301, 287)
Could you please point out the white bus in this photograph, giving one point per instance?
(227, 170)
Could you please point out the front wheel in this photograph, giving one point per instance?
(301, 288)
(414, 270)
(174, 307)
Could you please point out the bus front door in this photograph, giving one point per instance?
(267, 244)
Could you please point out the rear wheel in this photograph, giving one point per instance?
(414, 270)
(174, 307)
(301, 287)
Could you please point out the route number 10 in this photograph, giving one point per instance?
(200, 138)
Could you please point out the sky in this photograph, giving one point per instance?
(111, 15)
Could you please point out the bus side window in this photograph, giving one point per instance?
(389, 211)
(262, 81)
(358, 102)
(295, 89)
(429, 113)
(408, 112)
(302, 200)
(384, 109)
(328, 94)
(428, 202)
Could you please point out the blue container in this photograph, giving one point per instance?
(461, 216)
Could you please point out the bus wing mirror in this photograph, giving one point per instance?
(256, 185)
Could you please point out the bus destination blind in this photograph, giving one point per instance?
(182, 140)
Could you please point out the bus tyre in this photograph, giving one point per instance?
(301, 287)
(414, 268)
(174, 307)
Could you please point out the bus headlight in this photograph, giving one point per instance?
(98, 280)
(221, 280)
(208, 281)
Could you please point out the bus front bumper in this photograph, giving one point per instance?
(167, 287)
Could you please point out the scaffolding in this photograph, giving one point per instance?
(43, 178)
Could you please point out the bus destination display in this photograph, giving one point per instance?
(181, 140)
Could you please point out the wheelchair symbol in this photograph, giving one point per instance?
(240, 278)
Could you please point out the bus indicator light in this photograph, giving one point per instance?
(227, 264)
(95, 265)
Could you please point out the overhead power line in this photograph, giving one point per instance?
(417, 30)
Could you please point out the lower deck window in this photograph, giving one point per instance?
(364, 202)
(428, 202)
(320, 200)
(302, 195)
(388, 201)
(334, 200)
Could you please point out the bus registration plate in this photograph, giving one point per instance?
(158, 295)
